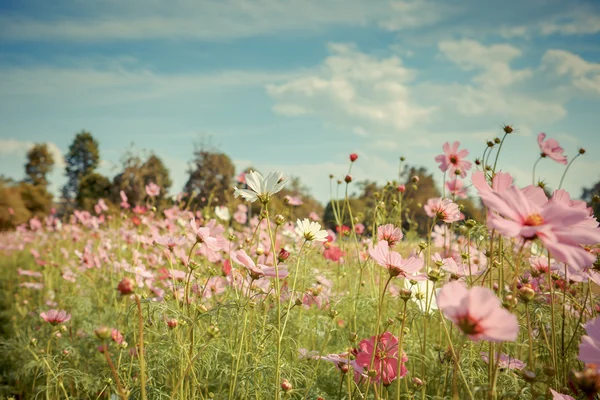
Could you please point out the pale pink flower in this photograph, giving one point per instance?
(241, 217)
(152, 189)
(504, 361)
(393, 261)
(453, 160)
(203, 235)
(477, 312)
(260, 270)
(381, 355)
(589, 348)
(457, 188)
(313, 216)
(293, 201)
(359, 228)
(562, 229)
(560, 396)
(116, 336)
(169, 242)
(390, 234)
(55, 317)
(442, 209)
(124, 203)
(551, 148)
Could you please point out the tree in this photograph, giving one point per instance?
(82, 159)
(211, 178)
(137, 174)
(93, 186)
(592, 197)
(40, 162)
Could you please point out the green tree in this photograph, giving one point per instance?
(40, 162)
(137, 174)
(210, 178)
(592, 197)
(93, 186)
(81, 160)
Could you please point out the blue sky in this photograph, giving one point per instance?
(297, 85)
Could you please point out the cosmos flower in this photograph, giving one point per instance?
(261, 188)
(453, 160)
(477, 312)
(381, 356)
(55, 317)
(393, 261)
(443, 209)
(152, 189)
(390, 234)
(551, 148)
(310, 231)
(589, 348)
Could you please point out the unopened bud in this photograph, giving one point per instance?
(279, 219)
(348, 178)
(286, 386)
(405, 294)
(126, 286)
(103, 332)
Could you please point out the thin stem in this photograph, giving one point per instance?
(566, 170)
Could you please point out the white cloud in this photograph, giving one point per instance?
(353, 90)
(583, 75)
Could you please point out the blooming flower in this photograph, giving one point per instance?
(443, 209)
(152, 189)
(381, 355)
(261, 188)
(560, 227)
(453, 160)
(456, 187)
(393, 261)
(551, 148)
(222, 213)
(293, 201)
(560, 396)
(310, 231)
(477, 312)
(589, 348)
(169, 242)
(55, 317)
(124, 203)
(203, 235)
(260, 270)
(390, 234)
(504, 361)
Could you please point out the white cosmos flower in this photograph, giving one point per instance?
(260, 188)
(310, 230)
(222, 213)
(420, 293)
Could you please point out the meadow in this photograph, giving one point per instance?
(143, 302)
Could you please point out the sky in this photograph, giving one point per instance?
(298, 85)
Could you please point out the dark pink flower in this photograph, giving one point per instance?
(381, 355)
(477, 312)
(453, 160)
(55, 317)
(551, 148)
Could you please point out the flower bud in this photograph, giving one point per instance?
(126, 286)
(172, 323)
(414, 179)
(279, 220)
(348, 178)
(283, 255)
(507, 129)
(353, 157)
(103, 332)
(405, 294)
(526, 293)
(286, 386)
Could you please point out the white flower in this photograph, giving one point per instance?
(261, 188)
(222, 213)
(420, 293)
(310, 230)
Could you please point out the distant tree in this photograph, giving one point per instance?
(12, 210)
(592, 197)
(93, 186)
(81, 160)
(36, 199)
(40, 162)
(210, 178)
(137, 174)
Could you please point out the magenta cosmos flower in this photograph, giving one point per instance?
(477, 312)
(55, 317)
(551, 148)
(561, 227)
(443, 209)
(589, 349)
(382, 356)
(453, 160)
(393, 261)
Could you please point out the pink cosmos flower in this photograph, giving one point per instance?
(505, 361)
(589, 348)
(169, 242)
(453, 160)
(443, 209)
(124, 203)
(551, 148)
(152, 189)
(477, 312)
(393, 261)
(381, 355)
(55, 317)
(203, 235)
(314, 216)
(293, 201)
(560, 396)
(457, 188)
(390, 234)
(561, 228)
(359, 228)
(116, 336)
(260, 270)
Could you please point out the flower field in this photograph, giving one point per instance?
(147, 302)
